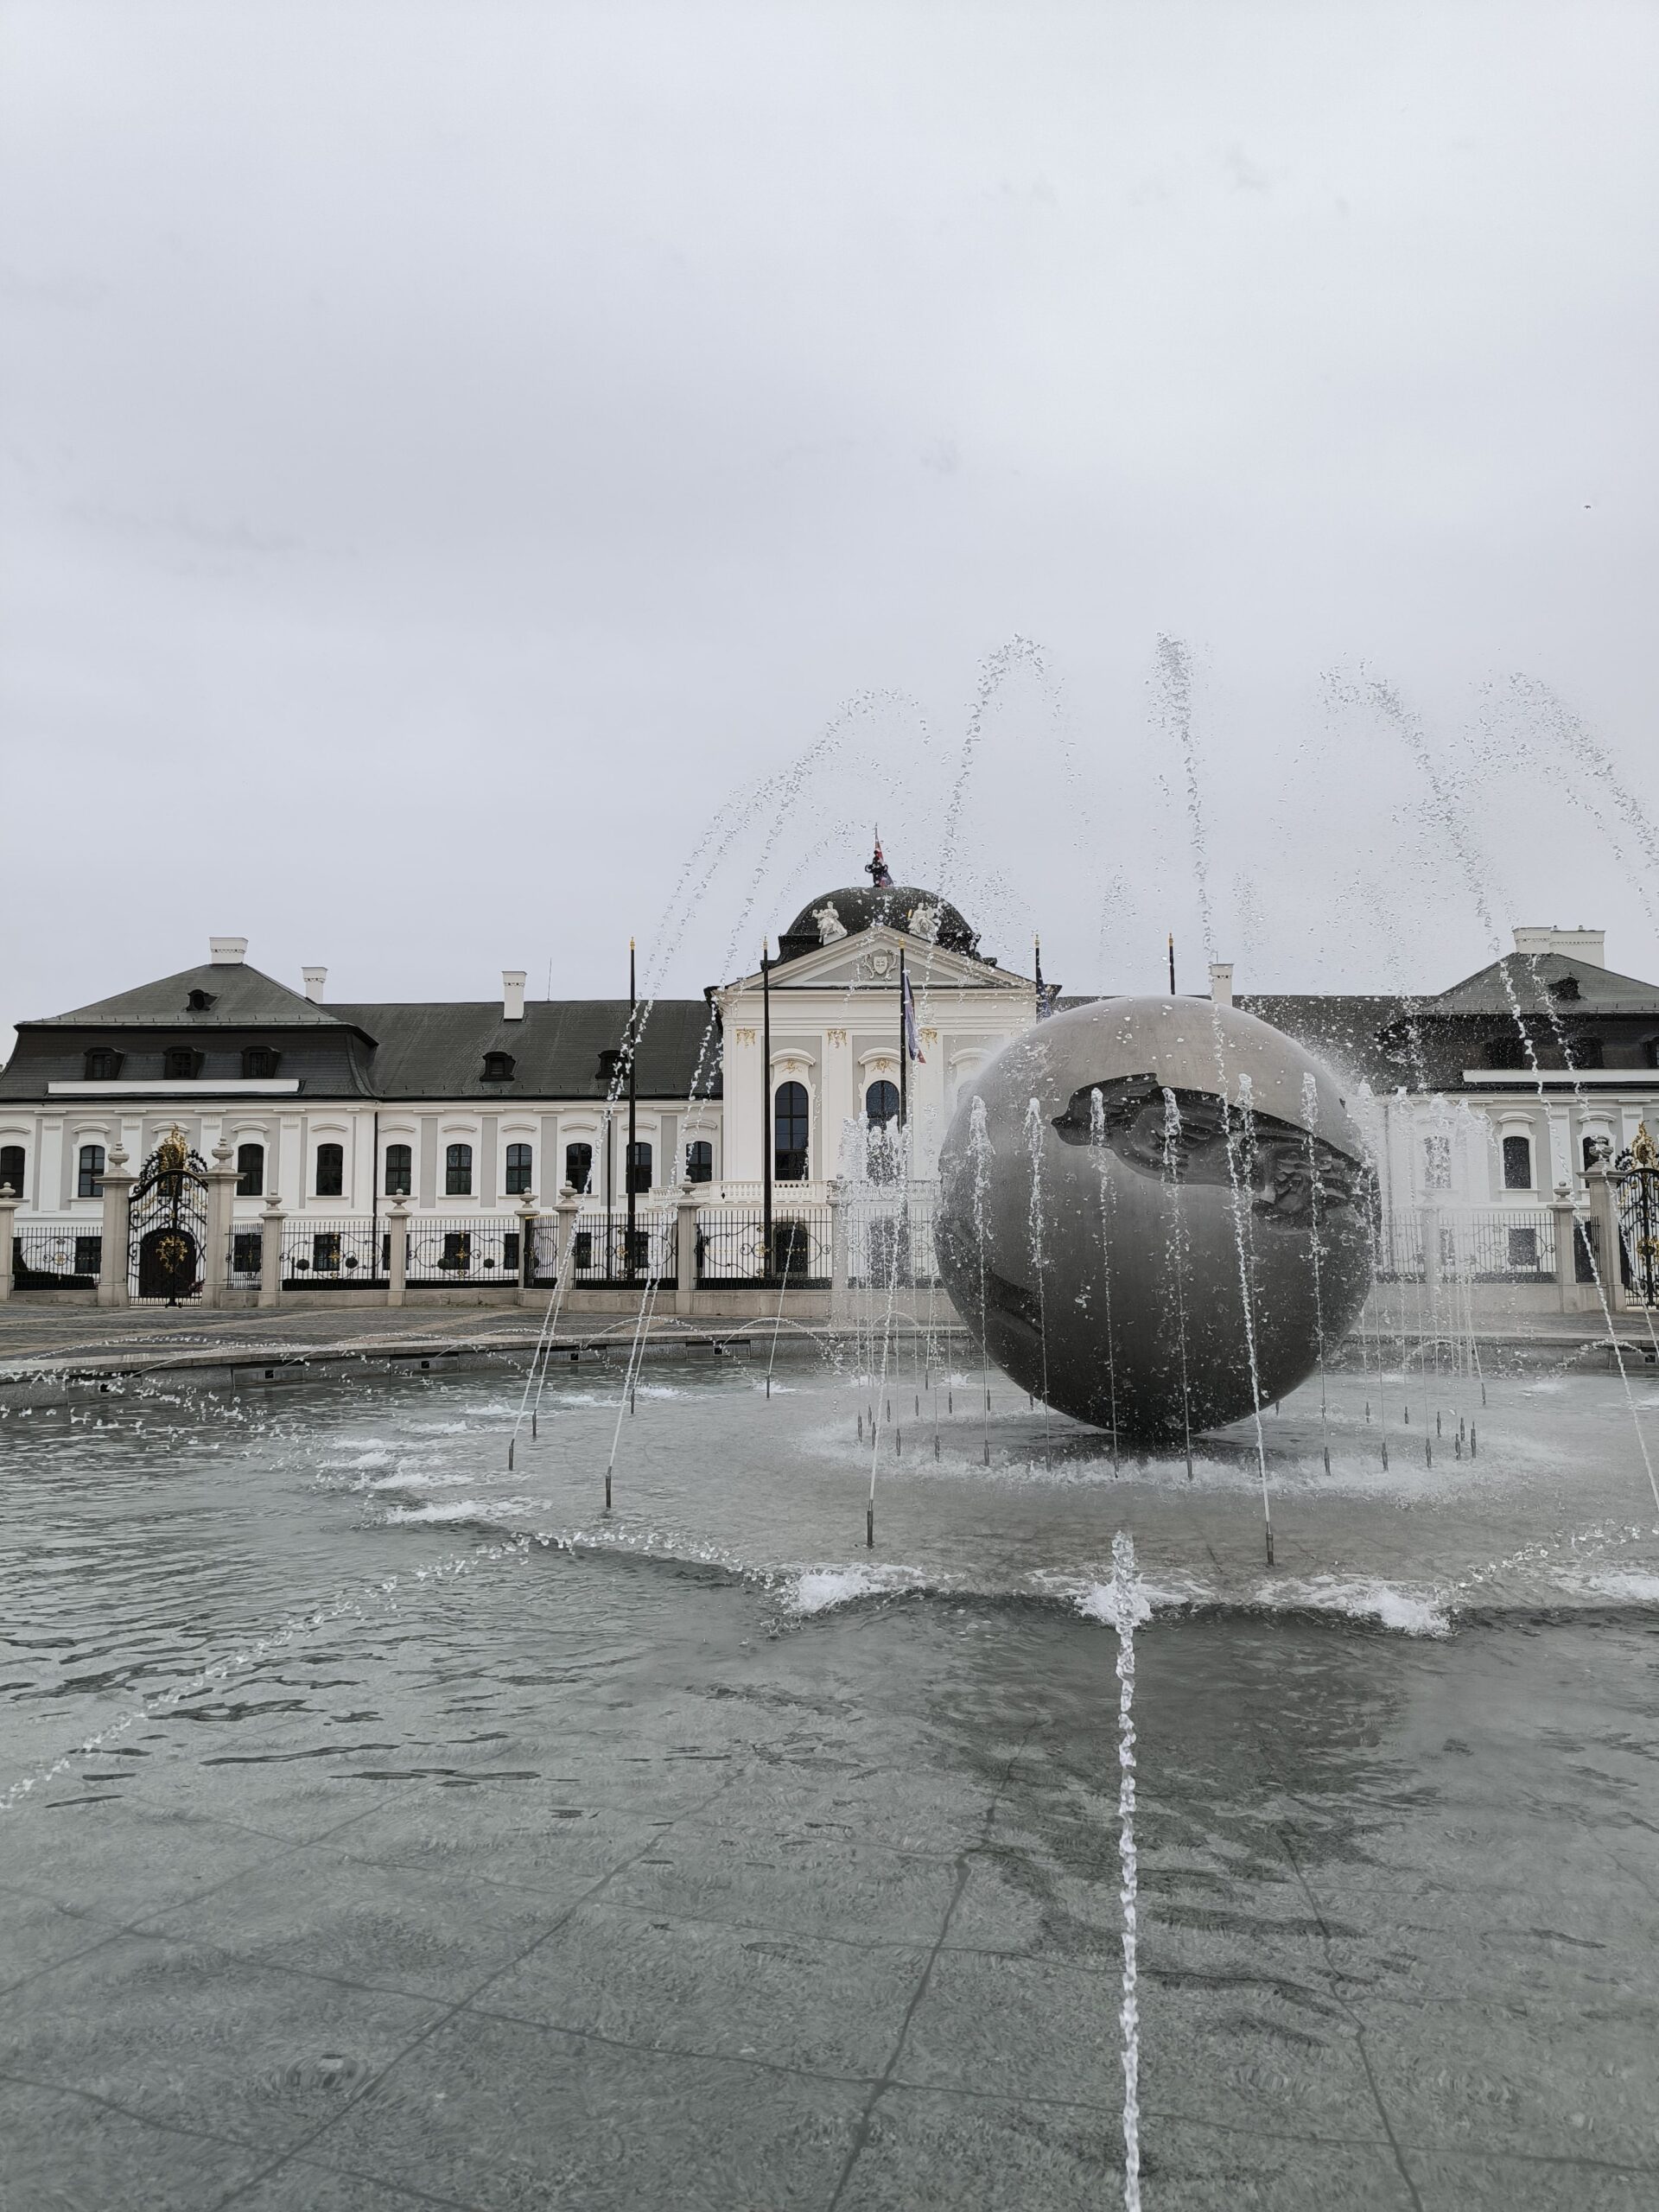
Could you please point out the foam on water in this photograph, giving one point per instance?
(817, 1589)
(1412, 1612)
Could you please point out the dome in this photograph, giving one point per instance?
(867, 906)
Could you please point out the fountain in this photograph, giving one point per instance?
(1145, 1159)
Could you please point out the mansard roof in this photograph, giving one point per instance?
(1532, 976)
(241, 998)
(435, 1049)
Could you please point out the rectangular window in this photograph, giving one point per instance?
(400, 1171)
(1517, 1163)
(518, 1164)
(457, 1251)
(510, 1252)
(89, 1256)
(1523, 1249)
(579, 1167)
(699, 1161)
(331, 1170)
(178, 1063)
(89, 1172)
(458, 1171)
(583, 1259)
(247, 1251)
(639, 1167)
(249, 1171)
(12, 1166)
(325, 1252)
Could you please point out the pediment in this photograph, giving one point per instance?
(870, 962)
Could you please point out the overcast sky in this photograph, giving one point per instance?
(454, 453)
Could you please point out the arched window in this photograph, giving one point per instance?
(881, 1103)
(179, 1064)
(579, 1167)
(699, 1161)
(639, 1167)
(249, 1171)
(258, 1062)
(331, 1170)
(101, 1064)
(1517, 1163)
(518, 1166)
(790, 1133)
(12, 1167)
(89, 1177)
(400, 1171)
(458, 1172)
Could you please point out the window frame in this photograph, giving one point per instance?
(638, 1165)
(1510, 1157)
(701, 1169)
(584, 1188)
(404, 1169)
(89, 1179)
(457, 1166)
(519, 1175)
(19, 1185)
(100, 1064)
(792, 1131)
(244, 1169)
(258, 1063)
(336, 1167)
(173, 1059)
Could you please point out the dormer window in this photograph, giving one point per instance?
(102, 1064)
(259, 1061)
(498, 1067)
(1567, 987)
(1584, 1053)
(179, 1064)
(200, 1001)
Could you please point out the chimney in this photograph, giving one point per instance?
(512, 994)
(1221, 981)
(314, 980)
(227, 952)
(1588, 946)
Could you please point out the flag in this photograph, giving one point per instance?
(912, 1039)
(876, 868)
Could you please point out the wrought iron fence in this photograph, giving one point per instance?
(1501, 1246)
(476, 1248)
(1399, 1253)
(44, 1257)
(333, 1256)
(890, 1240)
(247, 1258)
(732, 1252)
(602, 1256)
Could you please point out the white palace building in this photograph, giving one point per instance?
(218, 1135)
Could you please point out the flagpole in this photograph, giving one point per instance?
(1172, 964)
(904, 1049)
(766, 1107)
(632, 1131)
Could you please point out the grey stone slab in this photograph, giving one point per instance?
(1471, 2185)
(123, 1855)
(1506, 2078)
(552, 1849)
(196, 2038)
(68, 2153)
(927, 2152)
(36, 1932)
(1190, 2165)
(388, 1926)
(825, 1888)
(301, 2185)
(708, 1987)
(518, 2119)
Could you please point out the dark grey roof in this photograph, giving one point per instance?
(435, 1050)
(1532, 979)
(1348, 1032)
(241, 997)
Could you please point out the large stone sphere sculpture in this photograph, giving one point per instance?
(1153, 1213)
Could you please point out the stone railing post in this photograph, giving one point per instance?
(118, 1181)
(565, 1207)
(221, 1190)
(840, 1295)
(1431, 1225)
(9, 1203)
(270, 1251)
(396, 1251)
(1566, 1273)
(685, 1249)
(528, 1219)
(1604, 1211)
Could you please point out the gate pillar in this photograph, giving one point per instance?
(9, 1204)
(685, 1249)
(1604, 1208)
(528, 1221)
(1566, 1273)
(271, 1252)
(221, 1190)
(118, 1181)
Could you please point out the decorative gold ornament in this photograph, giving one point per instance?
(1643, 1153)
